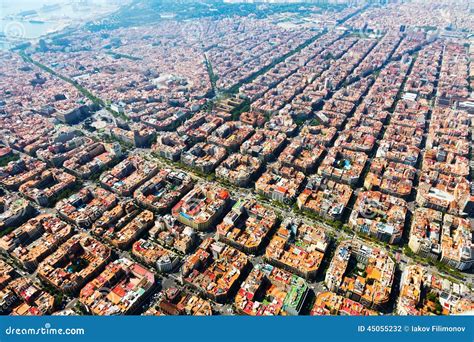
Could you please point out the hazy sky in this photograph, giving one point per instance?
(15, 6)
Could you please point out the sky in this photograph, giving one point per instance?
(14, 6)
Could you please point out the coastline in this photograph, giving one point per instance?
(16, 32)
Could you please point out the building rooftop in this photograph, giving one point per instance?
(362, 271)
(119, 289)
(202, 206)
(298, 247)
(214, 269)
(74, 263)
(247, 225)
(270, 291)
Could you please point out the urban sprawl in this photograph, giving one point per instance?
(313, 161)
